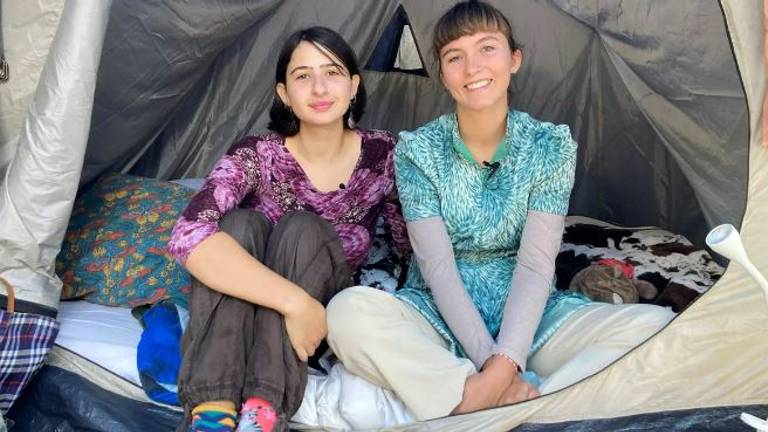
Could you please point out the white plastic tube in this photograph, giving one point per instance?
(725, 240)
(758, 424)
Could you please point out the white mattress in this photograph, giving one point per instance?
(107, 336)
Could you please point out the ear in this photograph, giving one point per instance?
(517, 61)
(282, 94)
(355, 84)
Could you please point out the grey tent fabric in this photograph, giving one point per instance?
(40, 183)
(185, 104)
(685, 90)
(157, 59)
(659, 118)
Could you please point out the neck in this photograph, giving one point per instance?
(483, 129)
(319, 142)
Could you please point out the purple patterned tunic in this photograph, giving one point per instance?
(259, 173)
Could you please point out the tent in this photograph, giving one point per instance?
(666, 99)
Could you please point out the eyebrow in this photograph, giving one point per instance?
(485, 39)
(325, 65)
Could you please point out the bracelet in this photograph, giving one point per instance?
(508, 358)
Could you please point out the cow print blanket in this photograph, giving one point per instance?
(384, 269)
(679, 270)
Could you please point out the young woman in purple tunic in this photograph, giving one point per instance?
(277, 229)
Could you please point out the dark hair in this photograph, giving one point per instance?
(467, 18)
(281, 119)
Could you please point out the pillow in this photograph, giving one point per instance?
(114, 252)
(680, 271)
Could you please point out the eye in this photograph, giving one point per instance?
(302, 76)
(334, 72)
(453, 58)
(488, 49)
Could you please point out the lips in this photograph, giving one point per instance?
(321, 105)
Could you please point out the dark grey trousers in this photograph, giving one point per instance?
(232, 349)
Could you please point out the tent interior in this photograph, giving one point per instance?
(651, 91)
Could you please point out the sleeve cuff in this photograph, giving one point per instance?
(510, 354)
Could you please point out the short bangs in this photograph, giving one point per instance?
(468, 18)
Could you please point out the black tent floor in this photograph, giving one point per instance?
(61, 401)
(720, 419)
(58, 400)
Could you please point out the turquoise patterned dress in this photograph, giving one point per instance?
(485, 211)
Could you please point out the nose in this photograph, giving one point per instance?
(319, 86)
(472, 64)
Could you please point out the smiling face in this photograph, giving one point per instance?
(318, 88)
(476, 69)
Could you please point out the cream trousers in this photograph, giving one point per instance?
(387, 342)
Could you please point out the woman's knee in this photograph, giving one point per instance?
(304, 233)
(249, 228)
(240, 218)
(301, 225)
(348, 315)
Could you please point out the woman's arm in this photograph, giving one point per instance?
(530, 284)
(434, 254)
(222, 264)
(232, 178)
(555, 167)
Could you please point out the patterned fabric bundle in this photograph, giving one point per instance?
(25, 340)
(114, 251)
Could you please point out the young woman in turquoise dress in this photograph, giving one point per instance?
(484, 191)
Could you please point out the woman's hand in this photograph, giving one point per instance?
(502, 367)
(488, 388)
(516, 389)
(305, 324)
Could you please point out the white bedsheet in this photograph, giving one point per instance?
(108, 336)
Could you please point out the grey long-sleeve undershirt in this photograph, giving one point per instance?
(528, 292)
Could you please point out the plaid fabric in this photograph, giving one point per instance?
(25, 339)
